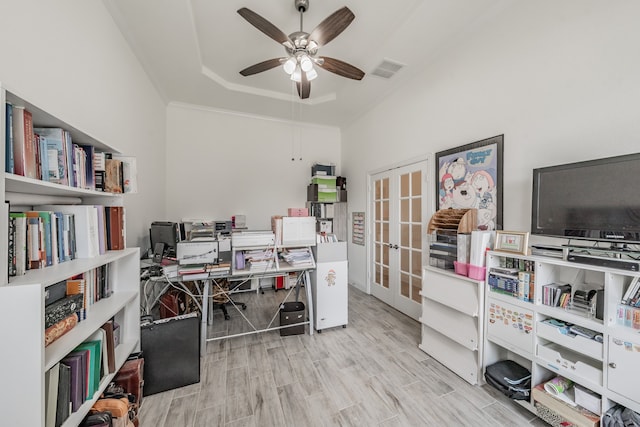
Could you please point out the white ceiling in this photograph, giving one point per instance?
(193, 50)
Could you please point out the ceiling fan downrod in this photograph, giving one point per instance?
(301, 6)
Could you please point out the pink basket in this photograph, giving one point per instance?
(461, 268)
(476, 272)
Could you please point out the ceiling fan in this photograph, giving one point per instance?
(302, 48)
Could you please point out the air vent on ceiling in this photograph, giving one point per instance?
(387, 68)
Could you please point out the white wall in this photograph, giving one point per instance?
(560, 79)
(69, 58)
(222, 164)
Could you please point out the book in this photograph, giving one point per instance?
(20, 244)
(8, 138)
(116, 228)
(55, 142)
(11, 247)
(57, 330)
(113, 176)
(51, 379)
(43, 158)
(89, 174)
(68, 154)
(36, 256)
(75, 363)
(631, 291)
(82, 371)
(24, 151)
(110, 345)
(63, 406)
(76, 287)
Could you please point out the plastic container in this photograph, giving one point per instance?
(476, 272)
(461, 268)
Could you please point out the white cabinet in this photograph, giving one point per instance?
(525, 328)
(452, 321)
(24, 359)
(329, 285)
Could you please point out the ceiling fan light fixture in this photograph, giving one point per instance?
(305, 63)
(296, 76)
(289, 65)
(312, 74)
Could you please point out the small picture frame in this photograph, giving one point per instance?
(512, 241)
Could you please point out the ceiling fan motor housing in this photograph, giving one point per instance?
(302, 5)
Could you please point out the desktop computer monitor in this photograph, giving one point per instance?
(167, 233)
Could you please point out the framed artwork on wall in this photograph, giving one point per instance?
(470, 177)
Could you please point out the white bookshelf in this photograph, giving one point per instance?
(608, 368)
(24, 359)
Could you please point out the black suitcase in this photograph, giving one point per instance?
(292, 313)
(511, 379)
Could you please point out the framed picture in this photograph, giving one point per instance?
(512, 241)
(470, 176)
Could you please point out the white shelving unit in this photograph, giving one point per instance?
(452, 321)
(24, 359)
(515, 330)
(329, 285)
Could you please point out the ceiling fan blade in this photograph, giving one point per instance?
(261, 66)
(341, 68)
(304, 86)
(265, 26)
(332, 26)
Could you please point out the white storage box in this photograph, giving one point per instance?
(587, 399)
(298, 230)
(563, 360)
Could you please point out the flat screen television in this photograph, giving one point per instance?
(594, 200)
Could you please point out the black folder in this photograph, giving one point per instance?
(171, 349)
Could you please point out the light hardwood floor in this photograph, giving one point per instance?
(368, 374)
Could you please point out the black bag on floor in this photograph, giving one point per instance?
(511, 379)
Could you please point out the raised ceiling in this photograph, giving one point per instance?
(193, 50)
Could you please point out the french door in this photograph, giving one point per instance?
(398, 211)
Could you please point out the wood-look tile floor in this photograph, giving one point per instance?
(370, 373)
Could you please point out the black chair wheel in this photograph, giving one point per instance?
(344, 326)
(227, 317)
(319, 331)
(244, 306)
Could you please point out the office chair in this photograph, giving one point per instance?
(221, 297)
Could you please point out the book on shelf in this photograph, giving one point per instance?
(24, 151)
(20, 244)
(115, 224)
(110, 346)
(43, 158)
(63, 404)
(60, 328)
(113, 176)
(36, 255)
(77, 288)
(89, 178)
(51, 379)
(9, 139)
